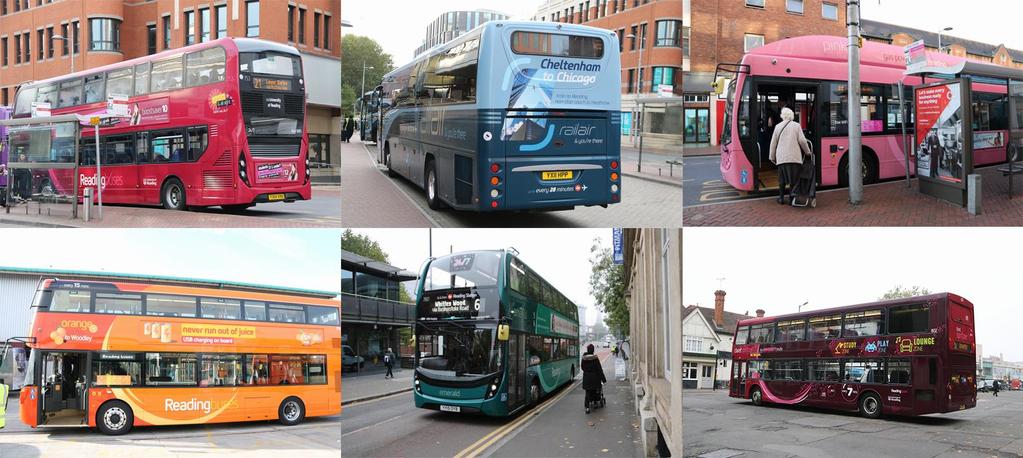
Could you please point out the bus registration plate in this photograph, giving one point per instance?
(556, 175)
(275, 197)
(450, 408)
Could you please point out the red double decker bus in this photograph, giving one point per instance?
(910, 356)
(220, 123)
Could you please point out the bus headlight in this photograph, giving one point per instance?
(492, 390)
(416, 383)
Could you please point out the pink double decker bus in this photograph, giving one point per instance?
(220, 123)
(809, 74)
(909, 356)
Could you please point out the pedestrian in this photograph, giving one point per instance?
(4, 391)
(614, 348)
(593, 376)
(788, 148)
(349, 129)
(994, 387)
(389, 362)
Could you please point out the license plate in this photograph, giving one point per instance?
(556, 175)
(273, 197)
(450, 408)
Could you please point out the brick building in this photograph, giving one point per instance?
(708, 335)
(901, 36)
(103, 32)
(722, 31)
(651, 46)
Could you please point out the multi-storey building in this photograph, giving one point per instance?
(450, 25)
(40, 39)
(650, 42)
(653, 292)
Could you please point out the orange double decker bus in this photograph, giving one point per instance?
(114, 355)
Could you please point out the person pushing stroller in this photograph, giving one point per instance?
(593, 378)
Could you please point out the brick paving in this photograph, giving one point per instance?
(371, 199)
(886, 204)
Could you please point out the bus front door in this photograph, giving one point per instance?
(64, 389)
(770, 98)
(735, 385)
(516, 370)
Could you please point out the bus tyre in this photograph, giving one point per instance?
(870, 405)
(432, 198)
(871, 173)
(291, 412)
(756, 396)
(114, 418)
(387, 160)
(173, 195)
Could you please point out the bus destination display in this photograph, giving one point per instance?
(272, 84)
(455, 303)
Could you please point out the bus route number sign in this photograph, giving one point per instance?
(273, 84)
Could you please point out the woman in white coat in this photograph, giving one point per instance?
(788, 151)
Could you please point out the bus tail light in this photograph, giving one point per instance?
(493, 204)
(614, 165)
(494, 181)
(614, 176)
(495, 167)
(306, 170)
(614, 188)
(243, 169)
(615, 197)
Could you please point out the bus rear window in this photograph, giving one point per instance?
(270, 64)
(557, 45)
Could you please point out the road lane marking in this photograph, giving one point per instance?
(370, 401)
(373, 425)
(717, 190)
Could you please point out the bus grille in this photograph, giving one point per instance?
(217, 179)
(294, 105)
(274, 150)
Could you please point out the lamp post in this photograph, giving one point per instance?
(714, 376)
(70, 48)
(800, 308)
(946, 29)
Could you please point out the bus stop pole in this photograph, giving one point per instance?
(639, 164)
(75, 182)
(902, 114)
(855, 162)
(99, 175)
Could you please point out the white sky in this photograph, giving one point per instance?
(778, 269)
(400, 25)
(988, 21)
(559, 255)
(296, 258)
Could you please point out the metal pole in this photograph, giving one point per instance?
(902, 114)
(855, 135)
(639, 165)
(74, 180)
(99, 176)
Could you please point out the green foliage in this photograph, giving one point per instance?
(898, 292)
(357, 50)
(347, 100)
(607, 284)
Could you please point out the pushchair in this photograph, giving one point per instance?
(805, 193)
(596, 398)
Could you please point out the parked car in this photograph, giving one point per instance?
(985, 385)
(350, 360)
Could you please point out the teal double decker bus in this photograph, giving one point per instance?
(492, 336)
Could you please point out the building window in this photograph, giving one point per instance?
(689, 371)
(621, 40)
(41, 50)
(104, 34)
(755, 3)
(752, 41)
(189, 27)
(326, 32)
(5, 100)
(316, 30)
(204, 25)
(829, 11)
(49, 42)
(252, 18)
(17, 49)
(685, 41)
(3, 12)
(319, 148)
(631, 80)
(166, 33)
(632, 42)
(642, 78)
(151, 39)
(708, 371)
(64, 42)
(301, 26)
(26, 51)
(3, 44)
(642, 36)
(76, 31)
(291, 23)
(694, 344)
(794, 6)
(663, 76)
(668, 33)
(221, 21)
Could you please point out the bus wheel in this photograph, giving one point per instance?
(870, 174)
(756, 397)
(173, 195)
(432, 198)
(291, 412)
(870, 405)
(114, 418)
(387, 160)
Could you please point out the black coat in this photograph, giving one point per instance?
(593, 373)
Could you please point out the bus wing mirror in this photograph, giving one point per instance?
(502, 332)
(718, 86)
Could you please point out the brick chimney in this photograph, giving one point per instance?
(719, 308)
(760, 313)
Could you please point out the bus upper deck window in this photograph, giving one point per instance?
(557, 45)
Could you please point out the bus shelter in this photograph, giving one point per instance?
(658, 119)
(945, 129)
(44, 156)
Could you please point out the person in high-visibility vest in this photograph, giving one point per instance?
(4, 391)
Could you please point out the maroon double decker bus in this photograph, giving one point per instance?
(909, 356)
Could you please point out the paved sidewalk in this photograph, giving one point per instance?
(711, 150)
(664, 175)
(655, 165)
(885, 204)
(363, 387)
(370, 197)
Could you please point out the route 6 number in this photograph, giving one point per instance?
(477, 304)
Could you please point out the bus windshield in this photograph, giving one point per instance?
(463, 270)
(454, 350)
(265, 63)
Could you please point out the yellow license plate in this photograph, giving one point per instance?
(557, 175)
(273, 197)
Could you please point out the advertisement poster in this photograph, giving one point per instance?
(940, 149)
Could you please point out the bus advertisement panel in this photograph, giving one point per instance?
(118, 355)
(909, 356)
(512, 115)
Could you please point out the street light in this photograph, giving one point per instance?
(636, 122)
(70, 49)
(946, 29)
(800, 308)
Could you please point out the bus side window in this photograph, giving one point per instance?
(197, 142)
(142, 79)
(142, 148)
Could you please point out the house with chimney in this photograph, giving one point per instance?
(707, 336)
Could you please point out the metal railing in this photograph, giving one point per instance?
(357, 307)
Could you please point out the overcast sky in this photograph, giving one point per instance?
(778, 269)
(400, 25)
(988, 21)
(296, 258)
(559, 255)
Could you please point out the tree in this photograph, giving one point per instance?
(899, 292)
(607, 285)
(599, 330)
(356, 51)
(364, 246)
(348, 96)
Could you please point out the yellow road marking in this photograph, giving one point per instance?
(714, 190)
